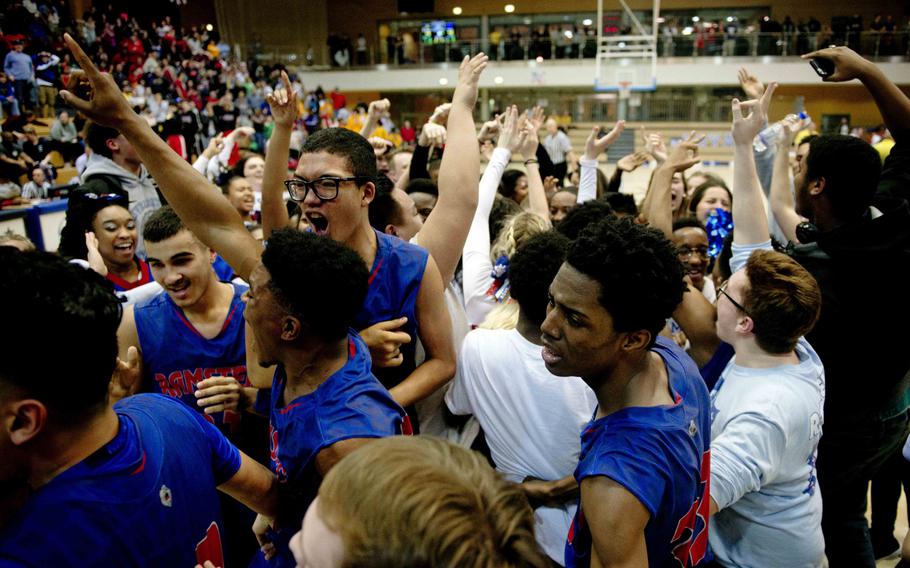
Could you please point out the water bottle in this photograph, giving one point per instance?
(770, 134)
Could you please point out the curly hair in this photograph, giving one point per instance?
(583, 215)
(85, 314)
(318, 280)
(516, 230)
(639, 272)
(454, 511)
(532, 269)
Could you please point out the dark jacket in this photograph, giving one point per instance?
(863, 334)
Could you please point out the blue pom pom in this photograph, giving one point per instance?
(718, 225)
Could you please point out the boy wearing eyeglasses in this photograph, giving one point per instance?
(768, 406)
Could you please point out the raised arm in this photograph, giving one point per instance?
(537, 195)
(891, 101)
(446, 228)
(283, 103)
(749, 216)
(657, 208)
(780, 198)
(206, 213)
(374, 113)
(477, 264)
(697, 317)
(594, 147)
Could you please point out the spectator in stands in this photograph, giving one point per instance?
(116, 163)
(37, 186)
(47, 74)
(19, 67)
(9, 104)
(65, 138)
(13, 162)
(239, 193)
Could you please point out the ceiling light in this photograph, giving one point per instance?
(456, 10)
(209, 27)
(498, 80)
(509, 8)
(696, 19)
(587, 22)
(443, 81)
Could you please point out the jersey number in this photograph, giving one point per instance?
(690, 541)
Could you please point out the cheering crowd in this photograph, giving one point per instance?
(374, 356)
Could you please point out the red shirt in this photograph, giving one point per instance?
(121, 285)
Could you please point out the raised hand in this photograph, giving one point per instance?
(750, 84)
(217, 394)
(490, 129)
(745, 128)
(654, 145)
(529, 140)
(536, 118)
(283, 103)
(441, 114)
(378, 108)
(241, 132)
(848, 64)
(216, 145)
(432, 134)
(510, 134)
(595, 146)
(685, 154)
(107, 106)
(94, 258)
(631, 162)
(468, 77)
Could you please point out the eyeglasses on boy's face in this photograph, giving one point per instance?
(723, 290)
(325, 188)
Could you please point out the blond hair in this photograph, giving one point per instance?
(515, 231)
(503, 316)
(418, 501)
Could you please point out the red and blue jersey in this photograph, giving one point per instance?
(395, 279)
(351, 403)
(661, 455)
(146, 498)
(121, 285)
(175, 356)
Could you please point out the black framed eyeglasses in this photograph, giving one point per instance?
(325, 188)
(723, 290)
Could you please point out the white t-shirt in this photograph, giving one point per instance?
(531, 418)
(765, 429)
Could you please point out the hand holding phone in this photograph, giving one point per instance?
(823, 67)
(839, 64)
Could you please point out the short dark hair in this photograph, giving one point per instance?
(700, 191)
(384, 210)
(640, 276)
(508, 182)
(850, 167)
(162, 224)
(85, 314)
(583, 215)
(622, 203)
(318, 280)
(347, 144)
(687, 223)
(532, 269)
(422, 185)
(225, 182)
(97, 136)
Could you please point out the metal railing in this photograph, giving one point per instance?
(688, 43)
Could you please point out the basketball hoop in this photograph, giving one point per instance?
(625, 88)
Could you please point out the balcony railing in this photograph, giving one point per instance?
(694, 44)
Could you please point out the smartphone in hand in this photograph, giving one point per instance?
(823, 67)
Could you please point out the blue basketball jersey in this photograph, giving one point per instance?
(222, 269)
(147, 498)
(349, 404)
(660, 454)
(175, 356)
(395, 279)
